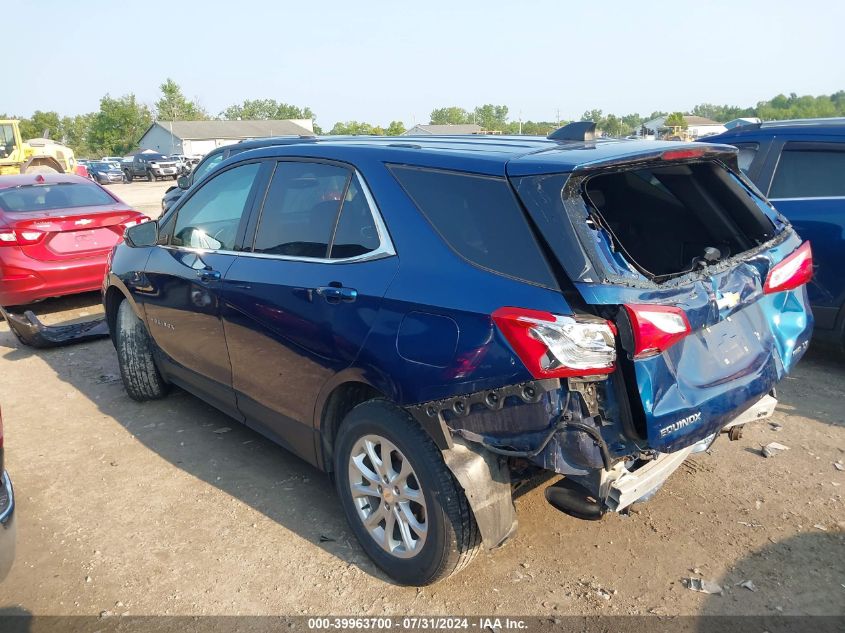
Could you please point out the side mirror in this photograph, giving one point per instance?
(184, 182)
(142, 235)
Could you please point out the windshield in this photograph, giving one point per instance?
(102, 166)
(63, 195)
(154, 157)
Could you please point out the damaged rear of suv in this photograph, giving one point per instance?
(483, 314)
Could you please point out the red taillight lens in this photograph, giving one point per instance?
(680, 154)
(20, 237)
(553, 346)
(793, 271)
(656, 328)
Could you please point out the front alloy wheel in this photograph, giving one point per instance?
(387, 496)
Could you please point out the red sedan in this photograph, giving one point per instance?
(56, 231)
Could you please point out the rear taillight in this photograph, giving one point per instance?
(656, 328)
(554, 346)
(793, 271)
(20, 237)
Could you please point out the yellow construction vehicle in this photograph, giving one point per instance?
(33, 156)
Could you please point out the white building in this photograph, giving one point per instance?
(195, 138)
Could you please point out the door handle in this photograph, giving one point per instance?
(208, 275)
(336, 294)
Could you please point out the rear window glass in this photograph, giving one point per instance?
(480, 219)
(809, 174)
(31, 198)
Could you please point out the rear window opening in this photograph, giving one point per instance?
(672, 220)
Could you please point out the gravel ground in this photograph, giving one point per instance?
(149, 509)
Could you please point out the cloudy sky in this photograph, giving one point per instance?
(381, 60)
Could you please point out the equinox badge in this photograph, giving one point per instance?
(683, 422)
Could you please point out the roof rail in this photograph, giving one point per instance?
(575, 131)
(818, 121)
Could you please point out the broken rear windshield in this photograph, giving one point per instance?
(659, 221)
(65, 195)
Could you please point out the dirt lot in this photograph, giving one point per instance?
(143, 196)
(148, 509)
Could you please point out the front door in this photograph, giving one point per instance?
(300, 305)
(184, 277)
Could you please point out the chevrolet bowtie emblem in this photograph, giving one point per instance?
(83, 221)
(728, 300)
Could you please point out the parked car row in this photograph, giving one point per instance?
(570, 306)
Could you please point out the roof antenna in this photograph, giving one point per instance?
(575, 131)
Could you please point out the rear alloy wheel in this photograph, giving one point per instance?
(150, 176)
(409, 513)
(140, 375)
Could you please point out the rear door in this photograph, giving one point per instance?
(181, 292)
(678, 256)
(808, 187)
(300, 305)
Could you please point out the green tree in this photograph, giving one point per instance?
(265, 109)
(173, 106)
(676, 119)
(612, 125)
(492, 117)
(452, 115)
(592, 115)
(119, 125)
(356, 128)
(42, 124)
(75, 133)
(396, 128)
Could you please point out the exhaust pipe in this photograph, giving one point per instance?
(573, 499)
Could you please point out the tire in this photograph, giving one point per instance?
(429, 496)
(127, 175)
(150, 176)
(140, 375)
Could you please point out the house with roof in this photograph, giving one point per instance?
(697, 126)
(196, 138)
(440, 130)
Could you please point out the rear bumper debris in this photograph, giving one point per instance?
(640, 484)
(30, 331)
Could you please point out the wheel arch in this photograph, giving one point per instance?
(114, 294)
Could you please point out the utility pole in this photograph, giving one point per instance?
(520, 122)
(558, 117)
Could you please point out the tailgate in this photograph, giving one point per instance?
(678, 255)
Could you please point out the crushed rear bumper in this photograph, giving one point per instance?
(30, 331)
(629, 486)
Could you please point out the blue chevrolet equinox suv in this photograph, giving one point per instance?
(442, 323)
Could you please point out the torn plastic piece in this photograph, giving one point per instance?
(702, 586)
(30, 331)
(773, 448)
(486, 481)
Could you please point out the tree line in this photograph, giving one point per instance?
(118, 125)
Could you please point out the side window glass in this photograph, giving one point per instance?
(210, 218)
(356, 233)
(300, 210)
(479, 218)
(810, 173)
(207, 166)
